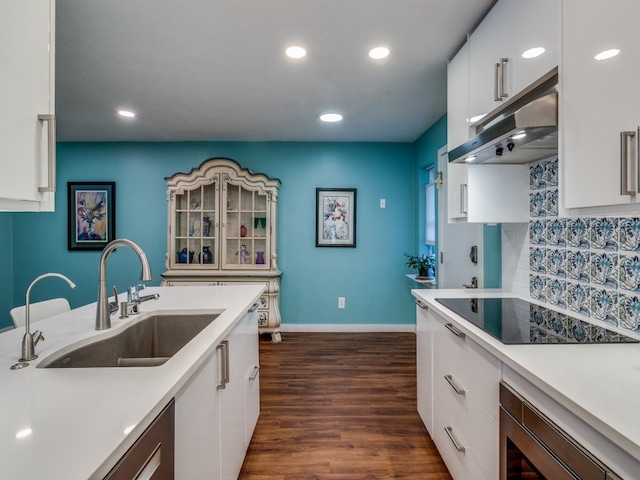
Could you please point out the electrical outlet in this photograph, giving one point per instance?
(341, 301)
(383, 203)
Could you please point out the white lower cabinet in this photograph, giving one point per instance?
(218, 408)
(424, 366)
(464, 401)
(197, 443)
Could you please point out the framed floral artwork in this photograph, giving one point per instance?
(92, 214)
(335, 217)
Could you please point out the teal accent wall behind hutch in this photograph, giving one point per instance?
(370, 276)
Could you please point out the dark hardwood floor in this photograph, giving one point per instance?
(340, 406)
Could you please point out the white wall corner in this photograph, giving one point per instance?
(515, 258)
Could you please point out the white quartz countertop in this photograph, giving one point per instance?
(599, 383)
(82, 420)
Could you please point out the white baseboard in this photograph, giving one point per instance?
(348, 328)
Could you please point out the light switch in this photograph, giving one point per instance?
(383, 203)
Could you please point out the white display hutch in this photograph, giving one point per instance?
(222, 229)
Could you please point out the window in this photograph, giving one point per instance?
(430, 209)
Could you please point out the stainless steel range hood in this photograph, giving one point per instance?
(523, 130)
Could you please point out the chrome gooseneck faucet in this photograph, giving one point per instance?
(30, 340)
(103, 319)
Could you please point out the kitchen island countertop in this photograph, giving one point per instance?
(75, 424)
(599, 383)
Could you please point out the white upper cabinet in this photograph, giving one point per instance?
(600, 101)
(486, 49)
(497, 68)
(487, 193)
(27, 125)
(458, 98)
(531, 26)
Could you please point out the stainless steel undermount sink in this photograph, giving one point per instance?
(147, 343)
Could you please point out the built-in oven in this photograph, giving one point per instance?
(533, 447)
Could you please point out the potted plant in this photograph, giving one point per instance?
(425, 265)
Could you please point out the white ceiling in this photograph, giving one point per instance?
(216, 70)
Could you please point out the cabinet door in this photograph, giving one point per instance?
(458, 98)
(498, 193)
(530, 24)
(232, 408)
(249, 331)
(197, 430)
(599, 100)
(457, 191)
(424, 366)
(196, 214)
(486, 48)
(26, 91)
(246, 228)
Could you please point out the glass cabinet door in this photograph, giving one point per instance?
(246, 228)
(196, 221)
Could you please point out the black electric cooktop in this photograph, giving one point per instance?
(516, 321)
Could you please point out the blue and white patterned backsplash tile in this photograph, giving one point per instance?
(556, 232)
(537, 229)
(589, 266)
(629, 234)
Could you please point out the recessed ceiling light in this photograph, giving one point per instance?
(470, 158)
(330, 117)
(533, 52)
(606, 54)
(519, 135)
(126, 113)
(379, 53)
(295, 51)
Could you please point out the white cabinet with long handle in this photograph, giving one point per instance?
(27, 120)
(600, 105)
(217, 410)
(488, 193)
(514, 45)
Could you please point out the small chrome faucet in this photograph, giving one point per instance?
(30, 340)
(103, 318)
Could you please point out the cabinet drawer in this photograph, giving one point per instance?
(461, 465)
(468, 417)
(477, 369)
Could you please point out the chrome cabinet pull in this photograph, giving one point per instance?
(51, 152)
(496, 76)
(624, 162)
(223, 347)
(463, 198)
(421, 305)
(254, 372)
(226, 362)
(454, 330)
(503, 91)
(449, 431)
(458, 390)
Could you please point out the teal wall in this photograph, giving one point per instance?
(6, 260)
(369, 276)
